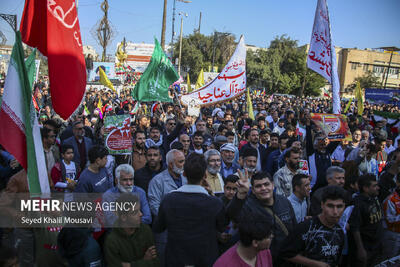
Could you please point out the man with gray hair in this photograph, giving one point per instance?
(166, 181)
(213, 177)
(334, 176)
(124, 175)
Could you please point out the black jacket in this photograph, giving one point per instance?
(281, 208)
(367, 219)
(144, 175)
(192, 221)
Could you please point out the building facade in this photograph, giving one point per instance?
(357, 63)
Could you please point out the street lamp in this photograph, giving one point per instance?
(173, 25)
(180, 42)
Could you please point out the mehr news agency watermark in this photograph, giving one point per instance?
(66, 210)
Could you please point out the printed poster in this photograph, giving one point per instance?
(303, 167)
(334, 126)
(117, 134)
(108, 67)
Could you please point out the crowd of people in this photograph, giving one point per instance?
(220, 189)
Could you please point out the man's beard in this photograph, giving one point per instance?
(212, 170)
(252, 170)
(125, 189)
(293, 166)
(177, 170)
(140, 145)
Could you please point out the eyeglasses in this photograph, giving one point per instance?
(171, 123)
(214, 160)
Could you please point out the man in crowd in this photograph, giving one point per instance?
(253, 246)
(198, 141)
(366, 223)
(273, 144)
(320, 240)
(262, 201)
(130, 242)
(153, 167)
(249, 158)
(94, 179)
(387, 179)
(80, 143)
(139, 150)
(201, 128)
(319, 156)
(254, 139)
(334, 176)
(124, 175)
(51, 150)
(228, 166)
(272, 162)
(184, 139)
(166, 181)
(300, 196)
(212, 176)
(192, 219)
(391, 210)
(283, 177)
(155, 138)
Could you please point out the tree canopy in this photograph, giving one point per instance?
(280, 69)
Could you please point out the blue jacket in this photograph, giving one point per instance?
(159, 186)
(272, 162)
(72, 141)
(232, 170)
(112, 195)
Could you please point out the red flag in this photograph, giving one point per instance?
(53, 27)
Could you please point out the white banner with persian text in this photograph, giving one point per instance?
(229, 84)
(321, 56)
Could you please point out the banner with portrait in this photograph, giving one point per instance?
(333, 125)
(108, 67)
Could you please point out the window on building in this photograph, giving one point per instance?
(393, 71)
(365, 67)
(353, 66)
(378, 69)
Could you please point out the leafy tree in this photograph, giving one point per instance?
(199, 51)
(368, 80)
(282, 69)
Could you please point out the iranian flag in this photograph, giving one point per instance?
(20, 133)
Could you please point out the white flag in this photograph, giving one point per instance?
(321, 56)
(229, 84)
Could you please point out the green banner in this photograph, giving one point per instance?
(117, 134)
(156, 79)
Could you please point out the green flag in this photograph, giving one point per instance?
(360, 102)
(158, 76)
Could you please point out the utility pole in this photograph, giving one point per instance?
(173, 24)
(102, 31)
(388, 69)
(180, 43)
(173, 30)
(199, 23)
(164, 22)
